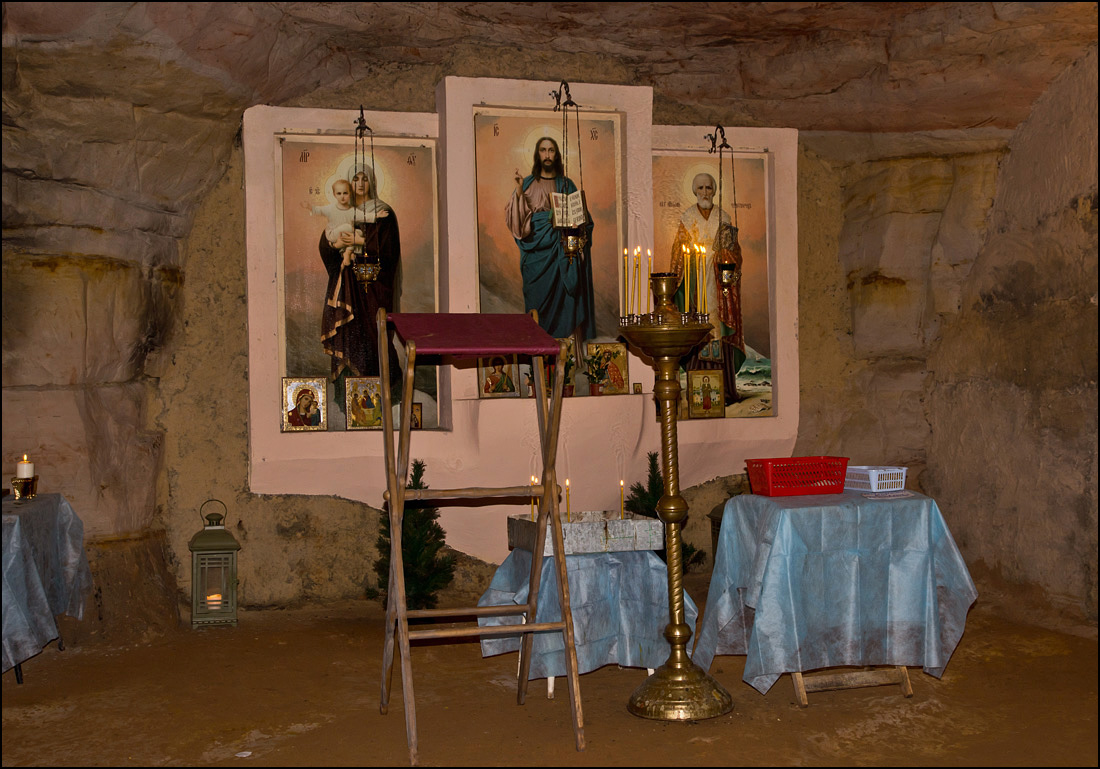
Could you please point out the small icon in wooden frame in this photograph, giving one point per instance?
(363, 402)
(705, 394)
(304, 404)
(607, 367)
(498, 376)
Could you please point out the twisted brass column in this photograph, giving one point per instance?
(679, 690)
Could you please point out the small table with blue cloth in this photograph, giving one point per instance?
(46, 573)
(808, 582)
(619, 602)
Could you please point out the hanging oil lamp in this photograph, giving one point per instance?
(365, 265)
(570, 210)
(727, 250)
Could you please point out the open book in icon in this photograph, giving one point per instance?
(569, 210)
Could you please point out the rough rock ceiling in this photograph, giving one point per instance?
(813, 66)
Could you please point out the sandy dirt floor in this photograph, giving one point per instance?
(301, 687)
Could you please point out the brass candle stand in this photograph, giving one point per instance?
(25, 488)
(679, 690)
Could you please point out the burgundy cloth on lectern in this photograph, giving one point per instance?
(473, 334)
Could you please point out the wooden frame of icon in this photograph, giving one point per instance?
(705, 394)
(498, 377)
(304, 404)
(608, 363)
(363, 401)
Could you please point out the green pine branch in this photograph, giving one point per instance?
(643, 501)
(427, 570)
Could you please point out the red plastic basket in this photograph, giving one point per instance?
(791, 476)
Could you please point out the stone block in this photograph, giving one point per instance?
(899, 185)
(40, 203)
(89, 444)
(887, 316)
(72, 320)
(896, 244)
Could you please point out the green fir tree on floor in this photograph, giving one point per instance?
(427, 571)
(643, 501)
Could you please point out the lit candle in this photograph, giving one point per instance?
(566, 500)
(532, 498)
(24, 469)
(648, 281)
(697, 287)
(686, 271)
(214, 601)
(625, 304)
(621, 508)
(637, 281)
(703, 275)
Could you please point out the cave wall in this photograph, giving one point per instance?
(948, 324)
(1012, 401)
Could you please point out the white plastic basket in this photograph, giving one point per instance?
(875, 479)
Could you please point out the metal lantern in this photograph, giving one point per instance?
(213, 572)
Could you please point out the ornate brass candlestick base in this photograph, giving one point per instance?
(25, 488)
(679, 690)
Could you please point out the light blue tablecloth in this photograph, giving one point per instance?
(809, 582)
(619, 603)
(45, 572)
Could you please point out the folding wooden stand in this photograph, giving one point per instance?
(471, 336)
(851, 679)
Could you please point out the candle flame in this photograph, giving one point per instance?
(25, 458)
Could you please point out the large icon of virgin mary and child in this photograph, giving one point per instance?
(349, 331)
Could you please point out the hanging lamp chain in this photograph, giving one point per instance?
(715, 146)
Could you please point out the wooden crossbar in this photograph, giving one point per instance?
(850, 679)
(535, 490)
(475, 611)
(492, 630)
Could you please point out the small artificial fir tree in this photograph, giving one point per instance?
(643, 501)
(426, 570)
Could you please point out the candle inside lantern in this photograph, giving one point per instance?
(566, 500)
(214, 602)
(621, 508)
(24, 469)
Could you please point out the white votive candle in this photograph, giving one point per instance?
(24, 469)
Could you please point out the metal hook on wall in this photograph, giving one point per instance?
(558, 103)
(713, 138)
(361, 126)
